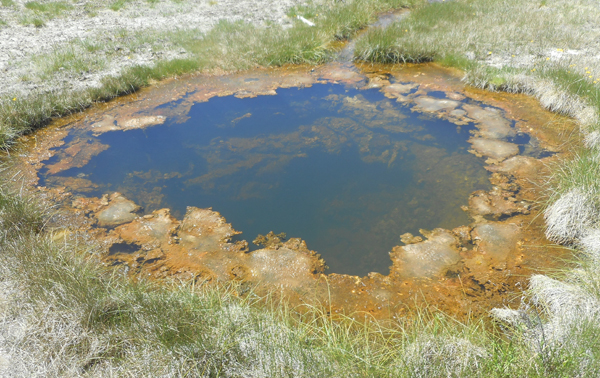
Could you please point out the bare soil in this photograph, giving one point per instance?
(21, 43)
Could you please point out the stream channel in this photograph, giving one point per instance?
(408, 185)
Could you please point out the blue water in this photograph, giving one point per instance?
(347, 170)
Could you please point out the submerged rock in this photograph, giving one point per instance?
(458, 113)
(199, 247)
(108, 123)
(77, 153)
(409, 238)
(521, 166)
(376, 82)
(341, 73)
(204, 230)
(494, 204)
(395, 90)
(290, 265)
(426, 259)
(494, 149)
(430, 104)
(140, 122)
(491, 123)
(118, 210)
(150, 231)
(495, 239)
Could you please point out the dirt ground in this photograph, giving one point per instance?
(22, 44)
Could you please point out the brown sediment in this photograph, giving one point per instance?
(464, 271)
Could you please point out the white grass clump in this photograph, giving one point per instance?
(39, 347)
(443, 356)
(561, 299)
(570, 217)
(558, 100)
(516, 318)
(549, 94)
(557, 323)
(588, 275)
(592, 139)
(267, 343)
(591, 244)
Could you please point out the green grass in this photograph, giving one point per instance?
(37, 13)
(581, 171)
(575, 84)
(7, 3)
(50, 9)
(71, 60)
(32, 20)
(91, 9)
(118, 4)
(91, 46)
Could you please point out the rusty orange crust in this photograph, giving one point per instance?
(464, 272)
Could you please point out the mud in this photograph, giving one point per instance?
(464, 271)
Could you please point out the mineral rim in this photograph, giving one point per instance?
(463, 272)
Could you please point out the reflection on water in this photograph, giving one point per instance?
(347, 170)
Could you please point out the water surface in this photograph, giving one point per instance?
(347, 170)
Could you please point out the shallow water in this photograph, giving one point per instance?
(347, 170)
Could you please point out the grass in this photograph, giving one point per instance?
(580, 172)
(71, 60)
(52, 9)
(465, 34)
(91, 46)
(38, 22)
(118, 4)
(37, 13)
(7, 3)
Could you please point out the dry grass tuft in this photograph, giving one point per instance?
(570, 217)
